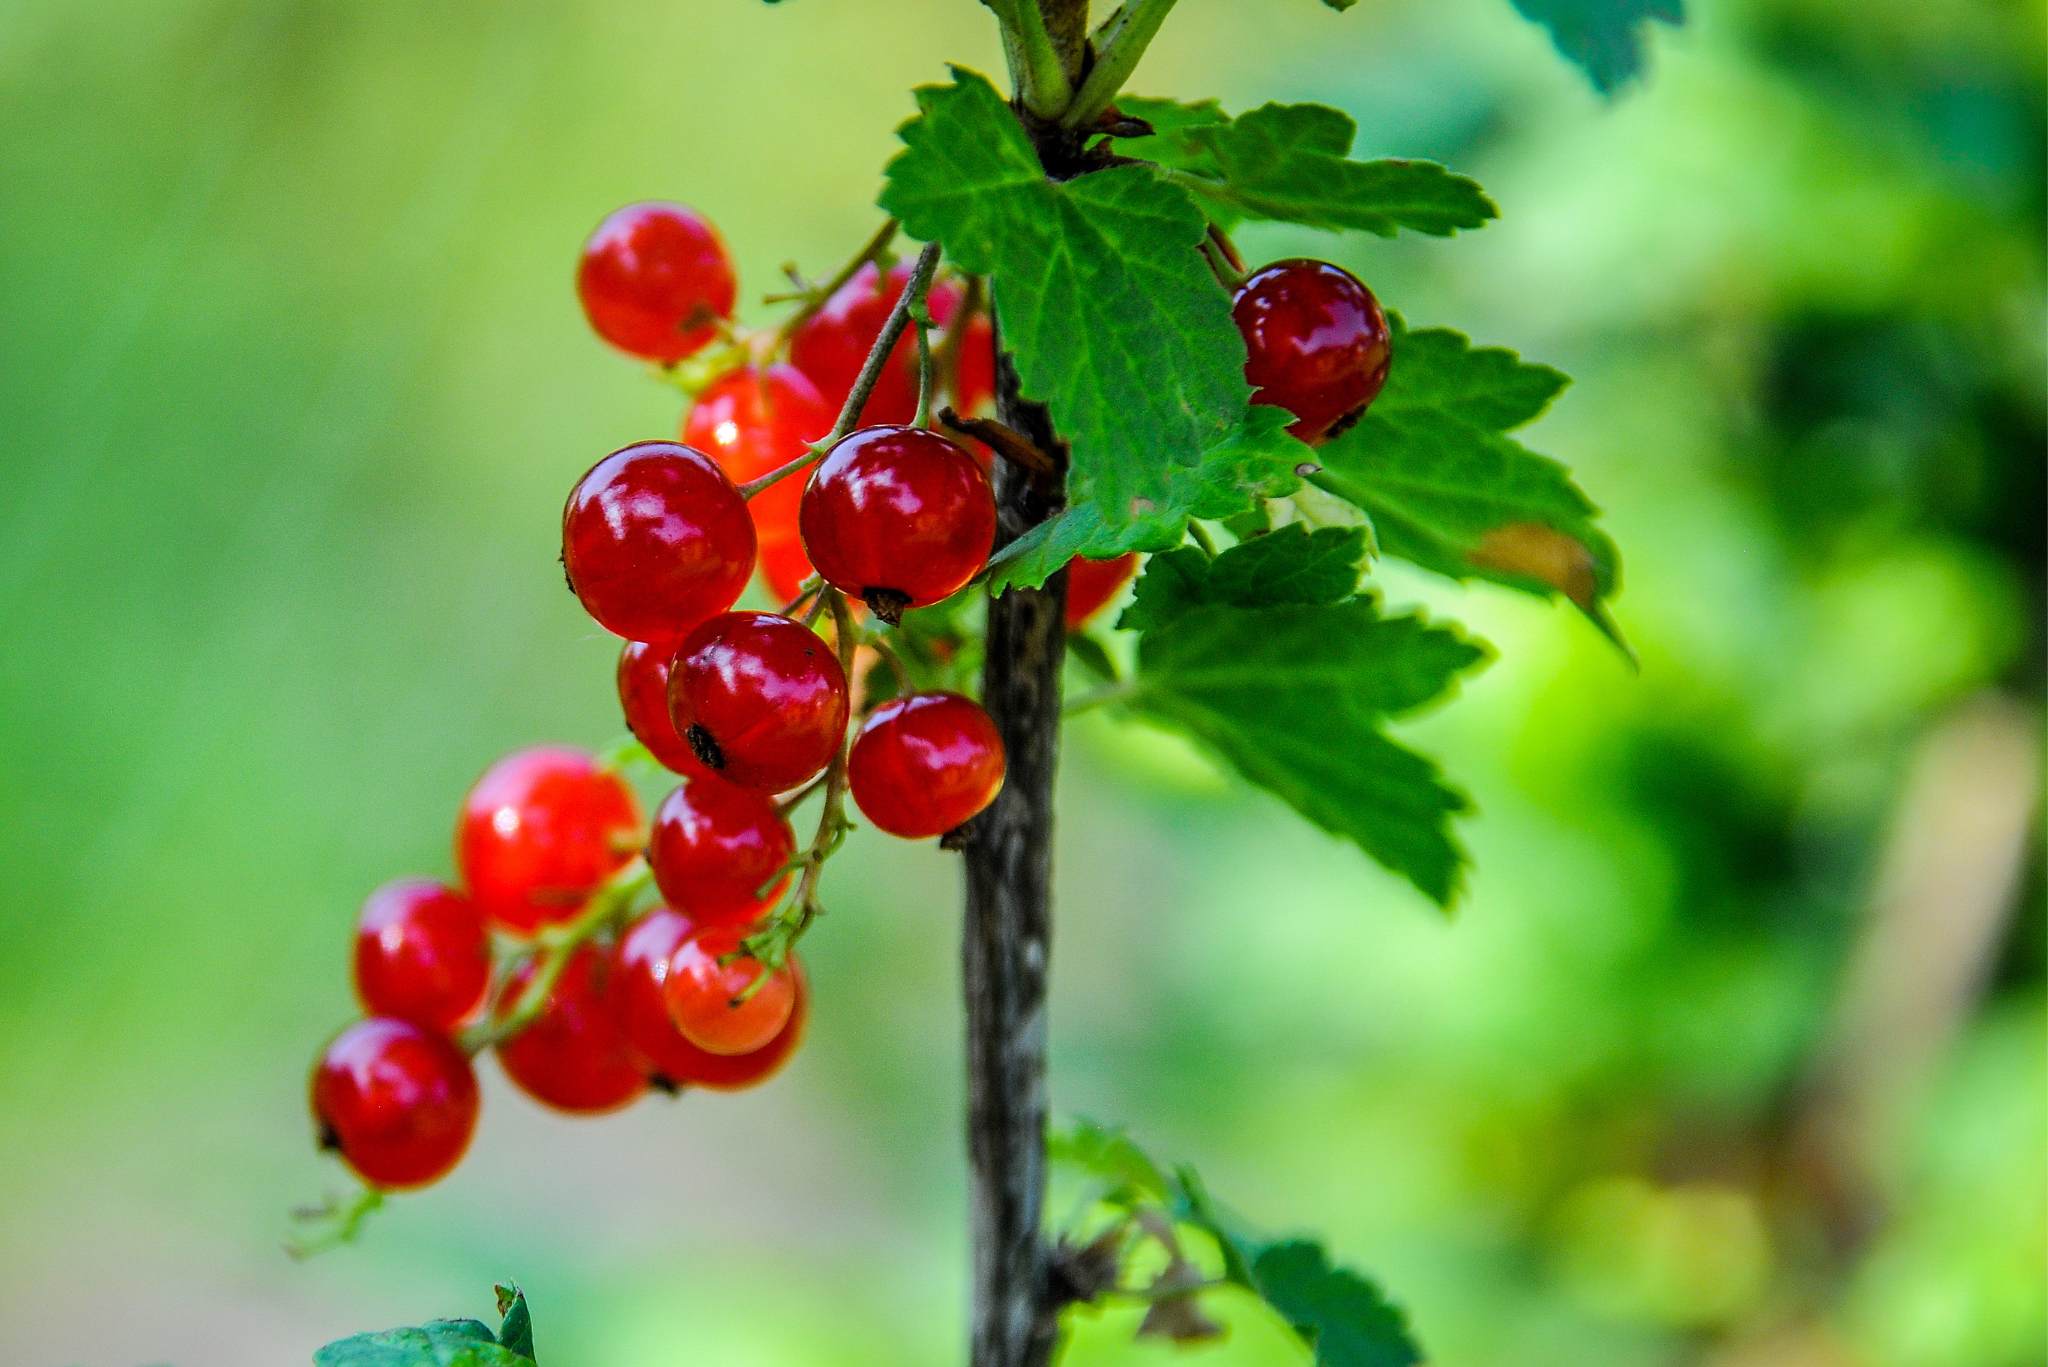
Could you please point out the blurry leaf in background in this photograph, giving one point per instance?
(1605, 37)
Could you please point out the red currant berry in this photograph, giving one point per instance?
(655, 281)
(573, 1056)
(539, 832)
(833, 344)
(899, 517)
(1316, 344)
(422, 954)
(643, 697)
(754, 420)
(670, 1060)
(760, 698)
(655, 539)
(717, 1006)
(720, 853)
(398, 1101)
(925, 764)
(1092, 583)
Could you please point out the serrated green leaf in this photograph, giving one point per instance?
(1257, 460)
(1431, 463)
(1290, 163)
(1604, 37)
(1339, 1313)
(1291, 565)
(1108, 1155)
(442, 1343)
(1292, 697)
(1104, 299)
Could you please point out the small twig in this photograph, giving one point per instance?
(1037, 73)
(1006, 441)
(870, 372)
(816, 297)
(804, 593)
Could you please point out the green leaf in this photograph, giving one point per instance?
(1290, 163)
(1341, 1314)
(1291, 565)
(516, 1332)
(443, 1343)
(1107, 304)
(1257, 460)
(1108, 1155)
(1431, 463)
(1605, 37)
(1337, 1312)
(1292, 696)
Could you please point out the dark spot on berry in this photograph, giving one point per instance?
(1341, 426)
(327, 1140)
(664, 1084)
(704, 747)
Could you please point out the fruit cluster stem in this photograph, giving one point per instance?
(870, 371)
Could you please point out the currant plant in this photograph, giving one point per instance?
(1047, 366)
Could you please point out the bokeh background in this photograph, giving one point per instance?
(1734, 1053)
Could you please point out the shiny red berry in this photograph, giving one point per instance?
(720, 853)
(899, 517)
(760, 697)
(539, 832)
(717, 1006)
(422, 954)
(655, 281)
(573, 1056)
(924, 764)
(399, 1102)
(754, 420)
(1316, 344)
(833, 344)
(643, 697)
(643, 958)
(1092, 583)
(655, 538)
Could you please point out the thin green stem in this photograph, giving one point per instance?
(770, 945)
(870, 372)
(816, 297)
(1123, 691)
(1119, 43)
(1037, 72)
(1200, 536)
(925, 377)
(553, 949)
(343, 1222)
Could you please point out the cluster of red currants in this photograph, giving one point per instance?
(592, 1006)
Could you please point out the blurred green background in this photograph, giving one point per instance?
(1734, 1053)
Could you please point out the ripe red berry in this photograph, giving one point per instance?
(573, 1056)
(1316, 344)
(643, 697)
(710, 1002)
(754, 420)
(655, 281)
(422, 954)
(670, 1060)
(833, 344)
(399, 1102)
(539, 832)
(1092, 583)
(720, 853)
(924, 764)
(899, 517)
(655, 539)
(760, 698)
